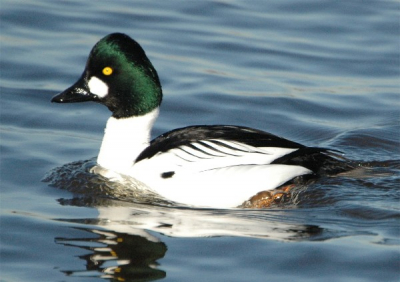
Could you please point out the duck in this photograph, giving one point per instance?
(215, 166)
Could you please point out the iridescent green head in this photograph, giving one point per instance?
(119, 75)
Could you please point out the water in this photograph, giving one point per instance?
(322, 73)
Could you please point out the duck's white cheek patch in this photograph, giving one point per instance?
(97, 87)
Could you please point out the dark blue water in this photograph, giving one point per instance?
(322, 73)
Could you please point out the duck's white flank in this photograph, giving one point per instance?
(223, 181)
(124, 139)
(226, 187)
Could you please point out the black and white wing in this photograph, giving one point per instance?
(224, 160)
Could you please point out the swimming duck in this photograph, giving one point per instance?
(219, 166)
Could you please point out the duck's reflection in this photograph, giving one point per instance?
(123, 248)
(118, 256)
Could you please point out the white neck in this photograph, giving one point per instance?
(124, 139)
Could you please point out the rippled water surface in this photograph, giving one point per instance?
(322, 73)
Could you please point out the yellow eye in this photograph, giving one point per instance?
(107, 71)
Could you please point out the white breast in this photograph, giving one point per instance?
(124, 139)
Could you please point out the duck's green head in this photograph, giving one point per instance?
(119, 75)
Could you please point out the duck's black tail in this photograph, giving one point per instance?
(322, 162)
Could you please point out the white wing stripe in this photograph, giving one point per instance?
(211, 155)
(195, 152)
(204, 148)
(234, 145)
(214, 149)
(225, 148)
